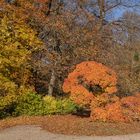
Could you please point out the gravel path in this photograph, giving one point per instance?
(36, 133)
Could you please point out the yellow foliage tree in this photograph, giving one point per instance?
(17, 44)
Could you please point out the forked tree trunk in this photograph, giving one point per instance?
(52, 83)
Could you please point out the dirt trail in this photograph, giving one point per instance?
(27, 132)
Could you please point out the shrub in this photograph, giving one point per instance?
(33, 104)
(131, 107)
(89, 80)
(9, 102)
(126, 109)
(29, 104)
(59, 106)
(111, 112)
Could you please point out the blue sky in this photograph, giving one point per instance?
(111, 15)
(118, 12)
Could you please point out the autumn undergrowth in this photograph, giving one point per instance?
(32, 104)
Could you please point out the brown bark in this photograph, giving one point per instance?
(101, 4)
(52, 83)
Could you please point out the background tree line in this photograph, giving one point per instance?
(70, 31)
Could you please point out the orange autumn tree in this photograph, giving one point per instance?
(89, 80)
(94, 85)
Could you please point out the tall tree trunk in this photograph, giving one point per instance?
(53, 74)
(52, 83)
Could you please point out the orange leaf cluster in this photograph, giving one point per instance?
(93, 84)
(106, 110)
(131, 107)
(126, 109)
(88, 80)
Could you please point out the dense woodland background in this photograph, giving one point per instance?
(41, 41)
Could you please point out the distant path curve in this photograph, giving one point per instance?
(29, 132)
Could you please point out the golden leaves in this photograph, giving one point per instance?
(17, 43)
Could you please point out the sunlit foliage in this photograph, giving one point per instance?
(17, 43)
(126, 109)
(89, 80)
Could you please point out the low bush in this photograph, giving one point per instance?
(8, 102)
(114, 109)
(33, 104)
(29, 104)
(58, 106)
